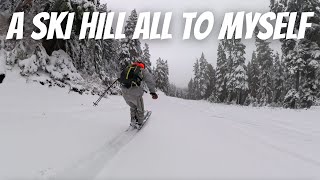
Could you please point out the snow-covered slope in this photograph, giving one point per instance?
(48, 133)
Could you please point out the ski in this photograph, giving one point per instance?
(145, 120)
(147, 116)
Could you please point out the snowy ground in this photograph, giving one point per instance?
(46, 133)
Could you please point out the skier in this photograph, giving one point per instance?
(130, 79)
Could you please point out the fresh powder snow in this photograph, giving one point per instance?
(48, 133)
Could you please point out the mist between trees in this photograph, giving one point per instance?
(87, 66)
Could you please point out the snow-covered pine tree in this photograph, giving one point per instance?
(211, 90)
(221, 73)
(249, 99)
(109, 54)
(237, 71)
(265, 59)
(240, 72)
(228, 48)
(196, 79)
(237, 78)
(291, 99)
(162, 75)
(191, 92)
(100, 63)
(86, 54)
(309, 88)
(253, 74)
(130, 48)
(146, 56)
(301, 57)
(204, 77)
(278, 80)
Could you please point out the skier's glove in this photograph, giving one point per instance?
(154, 95)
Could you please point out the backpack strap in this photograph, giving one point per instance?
(128, 72)
(131, 76)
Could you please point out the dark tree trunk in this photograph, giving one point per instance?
(297, 80)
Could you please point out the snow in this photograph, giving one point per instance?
(29, 65)
(314, 63)
(3, 59)
(19, 52)
(47, 133)
(60, 67)
(316, 54)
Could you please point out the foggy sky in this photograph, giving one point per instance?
(181, 54)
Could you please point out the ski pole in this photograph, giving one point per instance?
(105, 92)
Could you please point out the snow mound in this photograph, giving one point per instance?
(61, 68)
(58, 65)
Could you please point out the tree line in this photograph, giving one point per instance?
(291, 80)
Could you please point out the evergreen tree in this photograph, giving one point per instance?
(278, 80)
(196, 80)
(109, 53)
(162, 75)
(211, 90)
(253, 73)
(301, 57)
(221, 73)
(204, 77)
(110, 57)
(308, 84)
(265, 59)
(191, 92)
(236, 75)
(146, 56)
(130, 48)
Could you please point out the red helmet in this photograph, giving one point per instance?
(139, 64)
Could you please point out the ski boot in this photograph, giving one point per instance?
(134, 122)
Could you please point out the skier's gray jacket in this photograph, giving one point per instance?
(138, 90)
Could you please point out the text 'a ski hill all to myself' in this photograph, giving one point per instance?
(99, 25)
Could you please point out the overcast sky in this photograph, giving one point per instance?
(181, 54)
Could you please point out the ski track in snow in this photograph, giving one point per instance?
(90, 166)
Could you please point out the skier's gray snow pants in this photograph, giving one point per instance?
(135, 101)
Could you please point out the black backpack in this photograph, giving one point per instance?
(131, 76)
